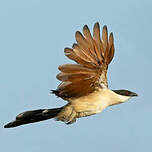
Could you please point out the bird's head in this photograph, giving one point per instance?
(125, 95)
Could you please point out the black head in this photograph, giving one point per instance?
(125, 93)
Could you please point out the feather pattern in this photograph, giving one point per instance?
(92, 55)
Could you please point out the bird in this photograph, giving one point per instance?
(84, 84)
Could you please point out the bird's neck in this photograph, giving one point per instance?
(109, 97)
(117, 98)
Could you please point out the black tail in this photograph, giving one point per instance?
(33, 116)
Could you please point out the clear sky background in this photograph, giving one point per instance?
(33, 35)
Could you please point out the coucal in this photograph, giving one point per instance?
(84, 84)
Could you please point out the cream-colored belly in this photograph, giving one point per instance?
(88, 105)
(93, 103)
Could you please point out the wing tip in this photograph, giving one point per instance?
(85, 27)
(105, 27)
(77, 33)
(67, 51)
(111, 35)
(97, 25)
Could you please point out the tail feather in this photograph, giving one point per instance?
(33, 116)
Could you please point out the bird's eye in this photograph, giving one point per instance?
(127, 92)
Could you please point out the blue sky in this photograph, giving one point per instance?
(33, 35)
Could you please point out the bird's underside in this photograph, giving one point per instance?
(84, 84)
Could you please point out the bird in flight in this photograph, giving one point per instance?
(83, 85)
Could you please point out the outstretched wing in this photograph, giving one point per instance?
(92, 55)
